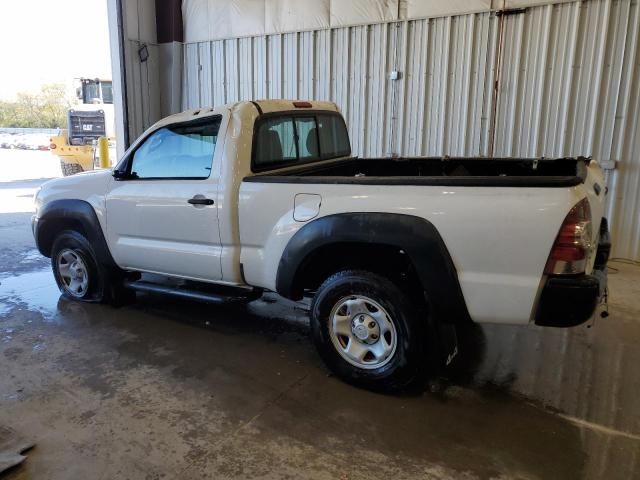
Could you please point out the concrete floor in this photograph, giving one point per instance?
(172, 389)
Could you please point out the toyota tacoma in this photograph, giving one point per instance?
(221, 204)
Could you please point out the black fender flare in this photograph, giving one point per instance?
(417, 237)
(59, 215)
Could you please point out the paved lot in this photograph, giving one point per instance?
(172, 389)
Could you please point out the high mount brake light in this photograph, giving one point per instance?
(302, 104)
(573, 246)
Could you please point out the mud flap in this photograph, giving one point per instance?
(449, 341)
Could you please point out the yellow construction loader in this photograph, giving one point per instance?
(89, 124)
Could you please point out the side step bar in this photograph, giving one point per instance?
(243, 295)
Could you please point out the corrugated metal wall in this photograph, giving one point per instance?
(568, 84)
(142, 77)
(143, 105)
(446, 80)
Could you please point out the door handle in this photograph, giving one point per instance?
(199, 200)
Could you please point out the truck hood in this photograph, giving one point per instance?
(88, 186)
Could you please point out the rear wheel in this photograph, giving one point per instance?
(368, 331)
(70, 168)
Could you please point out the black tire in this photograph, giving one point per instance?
(407, 366)
(69, 169)
(104, 284)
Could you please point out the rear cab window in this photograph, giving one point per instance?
(289, 139)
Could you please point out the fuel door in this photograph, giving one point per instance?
(306, 206)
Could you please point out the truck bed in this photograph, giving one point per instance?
(445, 171)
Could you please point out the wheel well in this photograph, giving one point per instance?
(48, 236)
(387, 260)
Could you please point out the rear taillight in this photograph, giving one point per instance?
(573, 246)
(52, 146)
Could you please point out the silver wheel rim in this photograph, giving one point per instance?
(362, 332)
(73, 272)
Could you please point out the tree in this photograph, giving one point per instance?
(44, 109)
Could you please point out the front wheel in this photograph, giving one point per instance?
(80, 276)
(368, 331)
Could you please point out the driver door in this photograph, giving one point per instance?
(162, 214)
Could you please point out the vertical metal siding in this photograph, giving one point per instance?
(623, 143)
(245, 68)
(143, 81)
(322, 64)
(377, 96)
(569, 84)
(205, 74)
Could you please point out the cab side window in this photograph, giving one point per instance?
(177, 151)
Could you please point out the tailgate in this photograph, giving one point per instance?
(596, 191)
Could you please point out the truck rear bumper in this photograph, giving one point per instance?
(567, 302)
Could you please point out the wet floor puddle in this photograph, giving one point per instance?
(35, 291)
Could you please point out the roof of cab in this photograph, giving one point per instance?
(267, 106)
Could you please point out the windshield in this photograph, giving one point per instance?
(107, 92)
(90, 92)
(95, 91)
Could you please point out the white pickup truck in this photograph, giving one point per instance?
(220, 204)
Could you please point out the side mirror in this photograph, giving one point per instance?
(119, 174)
